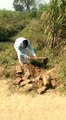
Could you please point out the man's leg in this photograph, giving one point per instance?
(26, 59)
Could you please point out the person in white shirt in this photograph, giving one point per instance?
(21, 46)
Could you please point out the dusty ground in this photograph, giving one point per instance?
(16, 106)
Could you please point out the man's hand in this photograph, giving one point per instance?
(29, 57)
(35, 57)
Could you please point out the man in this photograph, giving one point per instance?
(21, 46)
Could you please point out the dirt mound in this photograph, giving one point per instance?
(31, 77)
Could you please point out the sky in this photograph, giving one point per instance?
(8, 4)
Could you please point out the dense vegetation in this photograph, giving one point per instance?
(11, 23)
(45, 27)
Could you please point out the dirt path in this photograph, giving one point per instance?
(25, 107)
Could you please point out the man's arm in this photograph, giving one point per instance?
(32, 50)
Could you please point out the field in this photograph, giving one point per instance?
(45, 28)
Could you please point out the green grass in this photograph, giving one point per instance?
(63, 71)
(7, 53)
